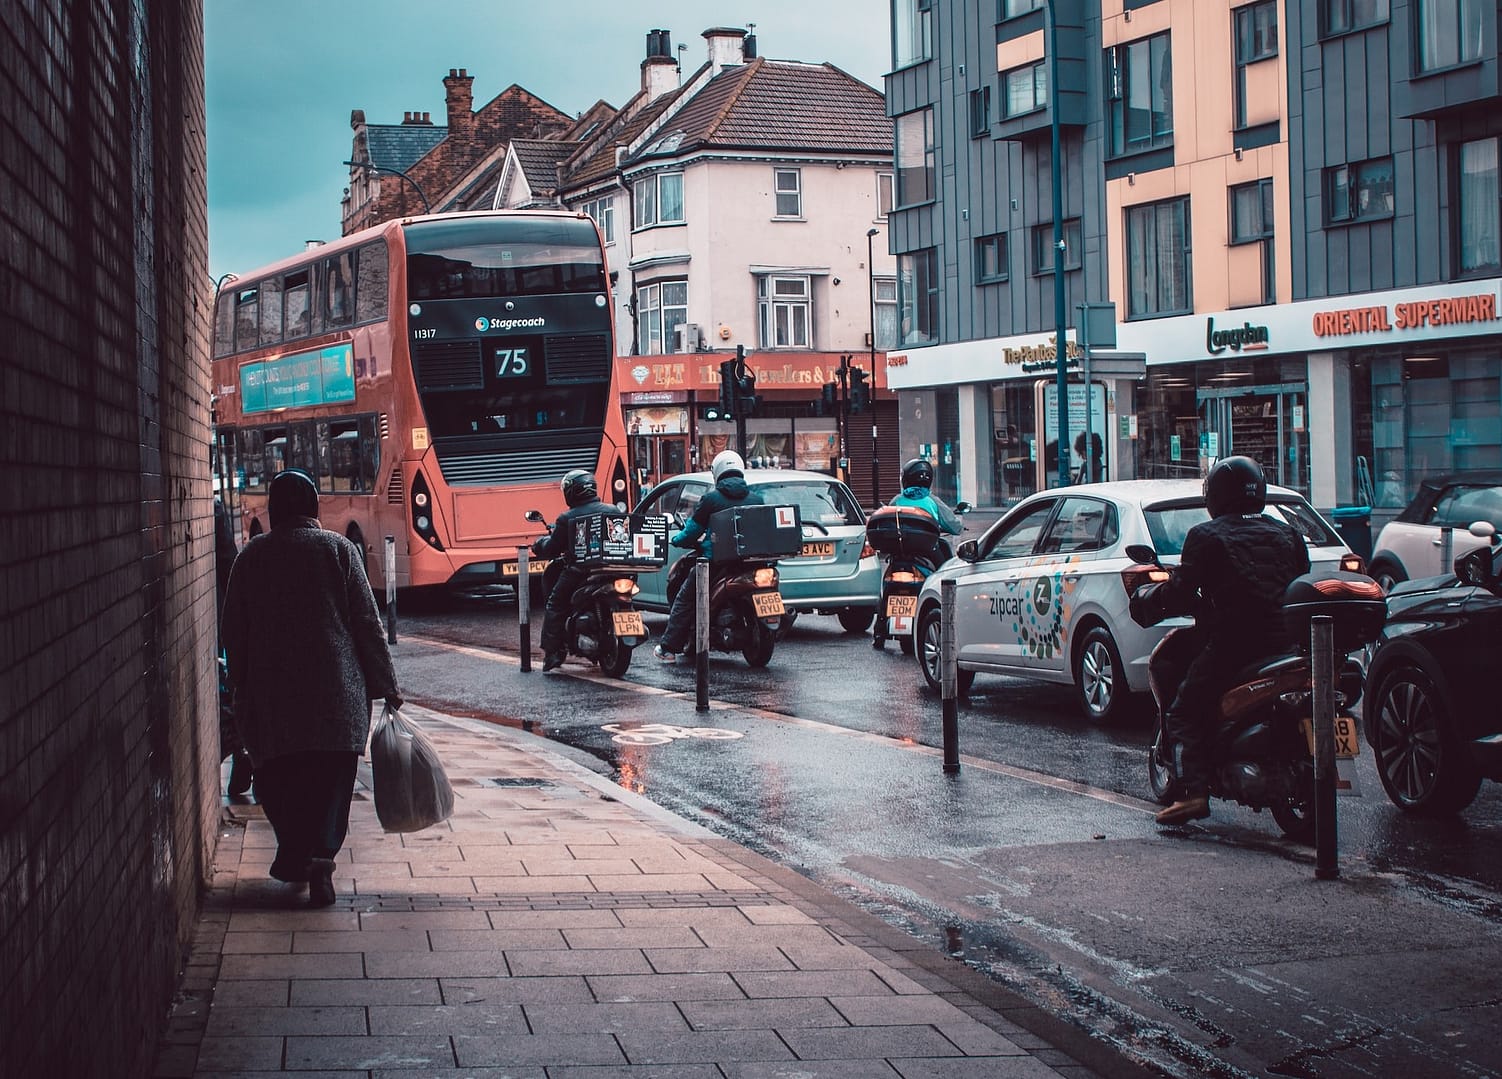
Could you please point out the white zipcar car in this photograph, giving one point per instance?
(1042, 594)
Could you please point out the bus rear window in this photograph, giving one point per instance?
(489, 257)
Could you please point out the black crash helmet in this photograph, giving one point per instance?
(1235, 485)
(917, 473)
(579, 487)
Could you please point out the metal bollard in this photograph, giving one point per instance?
(701, 635)
(524, 605)
(950, 680)
(390, 589)
(1322, 668)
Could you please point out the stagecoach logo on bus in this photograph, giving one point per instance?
(482, 324)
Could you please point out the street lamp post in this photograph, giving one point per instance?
(871, 310)
(368, 166)
(1056, 175)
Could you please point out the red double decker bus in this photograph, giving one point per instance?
(436, 375)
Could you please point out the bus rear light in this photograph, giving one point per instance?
(422, 519)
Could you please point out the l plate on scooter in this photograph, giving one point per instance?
(902, 606)
(1347, 743)
(767, 604)
(628, 624)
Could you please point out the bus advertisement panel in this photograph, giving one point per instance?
(437, 376)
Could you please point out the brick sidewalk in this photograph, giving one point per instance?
(559, 926)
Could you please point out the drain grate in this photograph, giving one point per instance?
(512, 781)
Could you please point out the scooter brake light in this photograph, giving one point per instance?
(1367, 589)
(625, 586)
(765, 577)
(903, 576)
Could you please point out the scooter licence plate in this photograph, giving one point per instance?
(902, 606)
(767, 604)
(1347, 743)
(628, 624)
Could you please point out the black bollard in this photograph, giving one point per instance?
(950, 680)
(1322, 668)
(524, 605)
(701, 636)
(390, 589)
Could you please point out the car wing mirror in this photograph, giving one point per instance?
(969, 551)
(1141, 552)
(1477, 568)
(1482, 529)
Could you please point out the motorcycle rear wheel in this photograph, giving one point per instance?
(615, 657)
(758, 651)
(1160, 777)
(1296, 817)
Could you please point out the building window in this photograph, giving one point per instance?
(1158, 267)
(1342, 16)
(912, 30)
(659, 199)
(884, 297)
(661, 308)
(788, 187)
(918, 297)
(1010, 9)
(980, 112)
(1449, 33)
(1139, 89)
(1043, 246)
(883, 195)
(1025, 89)
(1360, 192)
(1252, 223)
(915, 157)
(602, 211)
(991, 258)
(1480, 227)
(1256, 34)
(785, 311)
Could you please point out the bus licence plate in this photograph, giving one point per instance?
(767, 604)
(628, 624)
(534, 567)
(902, 606)
(1347, 742)
(816, 550)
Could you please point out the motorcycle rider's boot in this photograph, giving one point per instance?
(1188, 808)
(878, 642)
(553, 660)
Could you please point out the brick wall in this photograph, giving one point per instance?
(108, 732)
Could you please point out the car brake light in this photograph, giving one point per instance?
(1139, 574)
(1351, 562)
(867, 551)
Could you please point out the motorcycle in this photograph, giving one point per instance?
(912, 546)
(603, 625)
(1264, 740)
(745, 607)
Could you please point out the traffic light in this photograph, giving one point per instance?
(860, 392)
(727, 389)
(713, 412)
(745, 392)
(828, 403)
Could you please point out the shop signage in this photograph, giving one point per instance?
(1039, 357)
(654, 397)
(1411, 315)
(1243, 338)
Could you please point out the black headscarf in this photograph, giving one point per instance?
(292, 494)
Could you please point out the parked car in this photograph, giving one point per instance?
(1411, 546)
(1431, 718)
(836, 573)
(1043, 593)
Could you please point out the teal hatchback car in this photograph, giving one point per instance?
(836, 572)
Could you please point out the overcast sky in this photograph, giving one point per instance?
(283, 75)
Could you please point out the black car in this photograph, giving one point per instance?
(1432, 719)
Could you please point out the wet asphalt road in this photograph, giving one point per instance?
(1207, 950)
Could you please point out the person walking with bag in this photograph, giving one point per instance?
(307, 654)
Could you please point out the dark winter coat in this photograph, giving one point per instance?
(306, 646)
(731, 490)
(559, 543)
(1232, 574)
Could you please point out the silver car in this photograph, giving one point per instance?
(1044, 592)
(837, 572)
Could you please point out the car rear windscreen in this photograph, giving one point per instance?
(1170, 522)
(826, 503)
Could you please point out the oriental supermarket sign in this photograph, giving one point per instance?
(1407, 315)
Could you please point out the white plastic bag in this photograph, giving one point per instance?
(412, 791)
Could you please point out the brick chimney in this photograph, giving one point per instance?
(459, 96)
(727, 47)
(659, 71)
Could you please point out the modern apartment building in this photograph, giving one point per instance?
(1293, 206)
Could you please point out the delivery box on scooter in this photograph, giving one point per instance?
(631, 540)
(756, 532)
(904, 532)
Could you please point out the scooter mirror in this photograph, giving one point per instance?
(962, 507)
(1141, 552)
(535, 516)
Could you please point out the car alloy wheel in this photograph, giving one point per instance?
(1419, 760)
(931, 650)
(1099, 677)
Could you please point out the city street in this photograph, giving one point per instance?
(1207, 950)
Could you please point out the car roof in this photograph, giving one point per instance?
(756, 476)
(1149, 491)
(1478, 478)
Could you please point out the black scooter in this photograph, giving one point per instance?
(603, 623)
(1264, 730)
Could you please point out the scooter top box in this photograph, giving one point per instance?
(903, 532)
(621, 539)
(756, 532)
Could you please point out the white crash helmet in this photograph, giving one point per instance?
(726, 462)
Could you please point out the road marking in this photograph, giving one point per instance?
(1012, 771)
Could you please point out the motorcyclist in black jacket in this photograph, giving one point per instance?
(583, 498)
(1231, 576)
